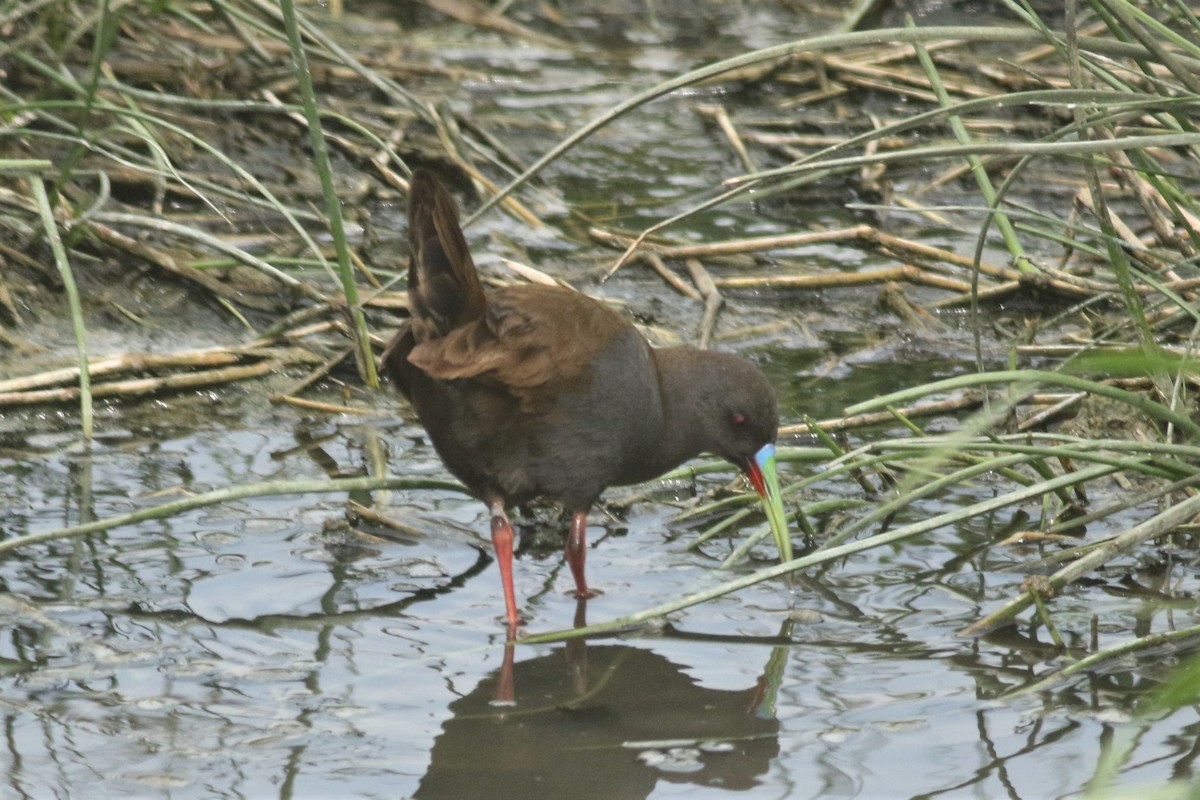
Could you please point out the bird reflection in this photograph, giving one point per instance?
(600, 720)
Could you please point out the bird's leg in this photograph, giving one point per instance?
(576, 552)
(502, 541)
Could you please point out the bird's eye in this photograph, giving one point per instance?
(737, 421)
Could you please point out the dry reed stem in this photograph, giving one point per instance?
(163, 260)
(1038, 52)
(968, 401)
(719, 115)
(712, 301)
(866, 235)
(10, 307)
(673, 280)
(984, 295)
(472, 14)
(1151, 204)
(129, 362)
(315, 375)
(893, 299)
(893, 245)
(971, 400)
(903, 272)
(990, 163)
(811, 140)
(326, 408)
(532, 274)
(379, 518)
(757, 244)
(1048, 415)
(28, 261)
(138, 387)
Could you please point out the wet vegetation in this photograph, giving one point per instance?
(187, 166)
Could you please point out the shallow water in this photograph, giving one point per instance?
(264, 648)
(257, 649)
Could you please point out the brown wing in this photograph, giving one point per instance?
(528, 336)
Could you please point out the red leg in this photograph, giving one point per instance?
(576, 552)
(502, 541)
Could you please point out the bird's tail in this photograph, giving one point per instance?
(444, 291)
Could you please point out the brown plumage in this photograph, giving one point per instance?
(540, 391)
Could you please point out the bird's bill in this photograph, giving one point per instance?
(761, 472)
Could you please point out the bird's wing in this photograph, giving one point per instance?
(528, 336)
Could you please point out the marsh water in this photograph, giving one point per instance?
(268, 648)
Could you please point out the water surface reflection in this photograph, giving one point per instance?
(613, 716)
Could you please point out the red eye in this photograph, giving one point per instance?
(737, 421)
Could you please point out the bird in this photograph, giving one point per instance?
(537, 391)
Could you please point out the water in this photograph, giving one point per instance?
(276, 647)
(261, 649)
